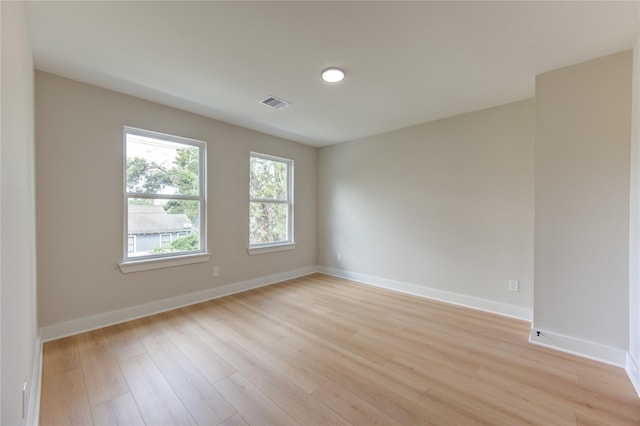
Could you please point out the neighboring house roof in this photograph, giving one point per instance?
(149, 219)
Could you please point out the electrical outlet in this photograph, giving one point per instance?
(339, 257)
(514, 285)
(216, 271)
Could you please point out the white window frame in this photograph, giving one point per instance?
(289, 244)
(133, 238)
(163, 260)
(162, 242)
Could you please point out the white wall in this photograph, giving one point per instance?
(633, 362)
(583, 124)
(79, 159)
(444, 206)
(17, 217)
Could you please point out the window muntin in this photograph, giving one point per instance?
(164, 195)
(271, 200)
(165, 241)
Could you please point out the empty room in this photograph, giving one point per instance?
(320, 212)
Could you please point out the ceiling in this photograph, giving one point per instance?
(406, 62)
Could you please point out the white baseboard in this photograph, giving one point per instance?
(591, 350)
(80, 325)
(486, 305)
(633, 371)
(579, 347)
(33, 405)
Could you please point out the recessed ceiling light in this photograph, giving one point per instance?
(332, 75)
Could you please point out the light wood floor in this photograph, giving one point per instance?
(319, 350)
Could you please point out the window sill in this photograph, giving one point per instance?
(271, 249)
(166, 262)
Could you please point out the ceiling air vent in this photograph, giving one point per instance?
(275, 103)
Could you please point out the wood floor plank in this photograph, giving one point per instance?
(235, 420)
(539, 357)
(60, 356)
(255, 407)
(121, 410)
(244, 326)
(102, 375)
(364, 385)
(456, 395)
(586, 417)
(200, 398)
(206, 324)
(155, 398)
(305, 378)
(405, 344)
(323, 350)
(350, 407)
(575, 397)
(123, 341)
(201, 355)
(298, 404)
(330, 327)
(66, 401)
(342, 362)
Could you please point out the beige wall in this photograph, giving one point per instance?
(583, 125)
(79, 159)
(18, 337)
(633, 364)
(446, 205)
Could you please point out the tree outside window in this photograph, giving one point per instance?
(165, 198)
(271, 200)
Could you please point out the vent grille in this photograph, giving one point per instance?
(275, 103)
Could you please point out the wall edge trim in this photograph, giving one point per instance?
(579, 347)
(472, 302)
(92, 322)
(35, 390)
(633, 371)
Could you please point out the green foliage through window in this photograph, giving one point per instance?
(270, 200)
(188, 243)
(144, 176)
(164, 193)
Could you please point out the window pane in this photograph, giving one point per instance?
(163, 226)
(156, 166)
(267, 222)
(268, 179)
(165, 241)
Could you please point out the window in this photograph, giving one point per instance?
(165, 241)
(164, 196)
(271, 203)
